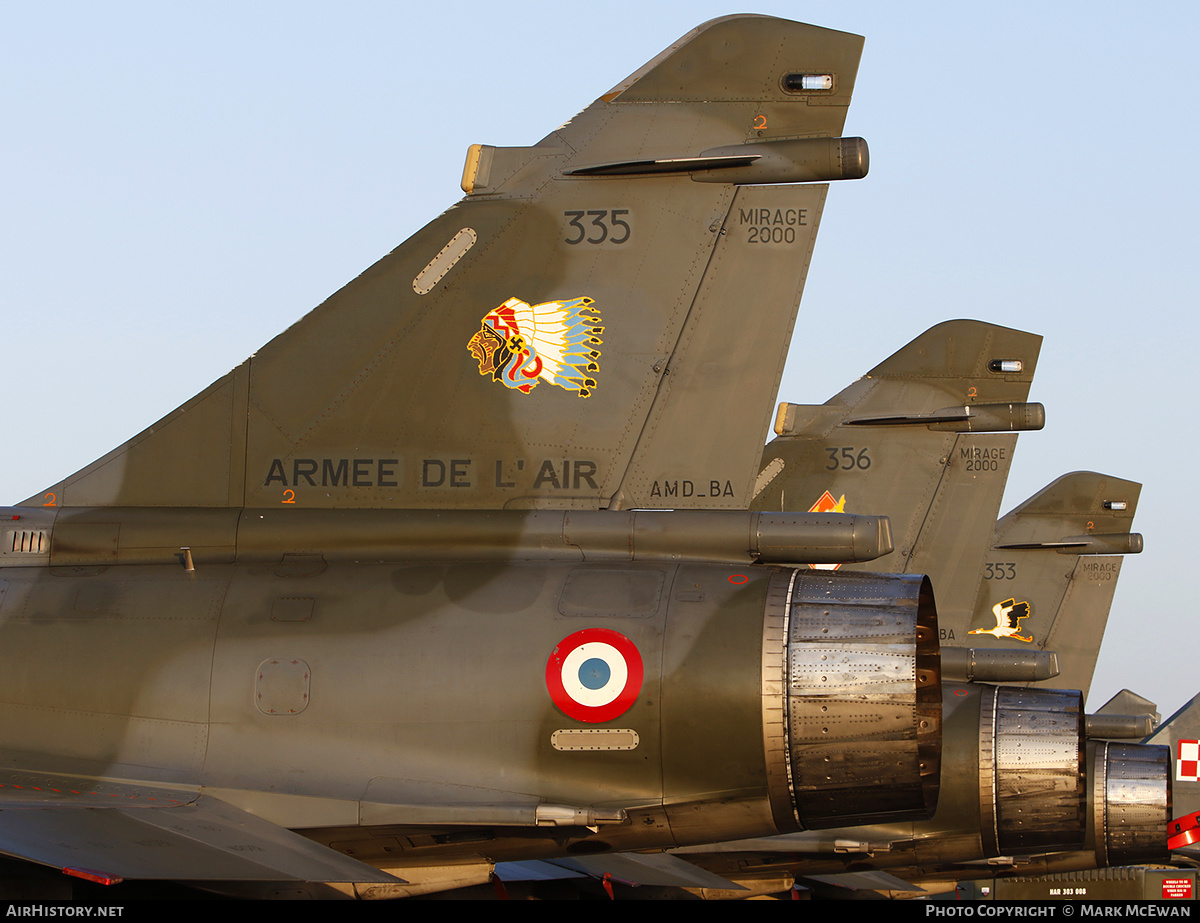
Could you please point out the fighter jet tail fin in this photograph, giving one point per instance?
(1181, 732)
(1060, 553)
(599, 323)
(925, 434)
(1128, 702)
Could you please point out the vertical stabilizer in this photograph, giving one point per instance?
(1181, 732)
(1051, 572)
(601, 322)
(1127, 702)
(925, 438)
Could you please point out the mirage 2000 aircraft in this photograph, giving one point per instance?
(927, 437)
(383, 583)
(935, 428)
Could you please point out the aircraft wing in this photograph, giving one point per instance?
(109, 832)
(866, 881)
(660, 869)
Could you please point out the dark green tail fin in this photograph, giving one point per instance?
(1060, 553)
(924, 436)
(601, 322)
(1181, 732)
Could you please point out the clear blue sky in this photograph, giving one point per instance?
(181, 182)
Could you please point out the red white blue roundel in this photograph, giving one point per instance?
(594, 675)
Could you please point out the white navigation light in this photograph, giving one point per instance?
(799, 83)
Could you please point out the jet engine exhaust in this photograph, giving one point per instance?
(858, 734)
(1130, 802)
(1031, 768)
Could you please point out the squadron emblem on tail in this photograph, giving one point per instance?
(1008, 618)
(557, 341)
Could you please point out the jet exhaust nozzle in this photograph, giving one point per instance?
(858, 734)
(1031, 754)
(1131, 802)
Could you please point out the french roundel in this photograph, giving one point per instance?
(594, 675)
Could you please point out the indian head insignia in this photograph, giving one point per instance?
(519, 344)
